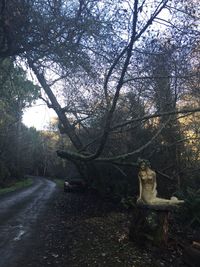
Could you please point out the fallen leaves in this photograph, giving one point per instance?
(84, 230)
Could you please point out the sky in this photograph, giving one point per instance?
(38, 116)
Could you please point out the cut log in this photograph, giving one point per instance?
(151, 222)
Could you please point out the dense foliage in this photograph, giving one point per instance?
(22, 150)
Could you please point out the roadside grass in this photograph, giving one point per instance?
(18, 185)
(59, 182)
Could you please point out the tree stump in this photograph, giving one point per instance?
(151, 222)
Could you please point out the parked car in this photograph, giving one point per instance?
(74, 185)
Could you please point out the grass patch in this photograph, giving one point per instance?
(20, 184)
(59, 182)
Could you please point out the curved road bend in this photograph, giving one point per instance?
(18, 214)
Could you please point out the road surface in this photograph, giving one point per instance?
(19, 212)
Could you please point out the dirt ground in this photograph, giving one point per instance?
(84, 230)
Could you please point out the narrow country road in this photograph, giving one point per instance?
(19, 212)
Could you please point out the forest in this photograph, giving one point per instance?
(123, 78)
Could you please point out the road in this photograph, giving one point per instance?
(19, 212)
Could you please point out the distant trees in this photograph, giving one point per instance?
(16, 93)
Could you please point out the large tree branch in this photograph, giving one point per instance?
(119, 85)
(116, 159)
(144, 118)
(159, 77)
(105, 87)
(56, 106)
(159, 8)
(137, 151)
(136, 37)
(156, 115)
(129, 49)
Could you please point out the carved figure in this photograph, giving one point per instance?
(148, 185)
